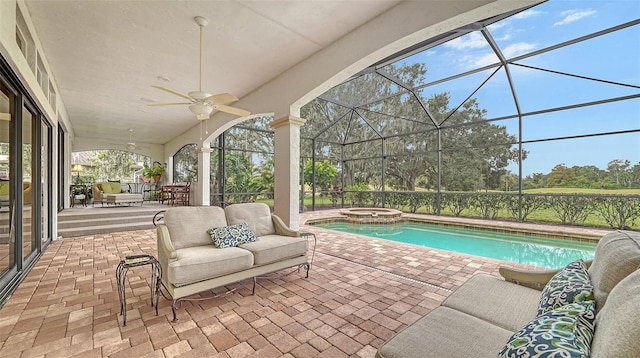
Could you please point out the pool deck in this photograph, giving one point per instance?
(359, 293)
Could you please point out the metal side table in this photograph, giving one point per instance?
(121, 276)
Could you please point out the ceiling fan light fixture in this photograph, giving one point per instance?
(202, 111)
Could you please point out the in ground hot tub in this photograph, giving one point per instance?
(372, 215)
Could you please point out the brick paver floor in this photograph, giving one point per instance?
(359, 293)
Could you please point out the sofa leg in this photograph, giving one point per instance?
(253, 291)
(174, 306)
(307, 267)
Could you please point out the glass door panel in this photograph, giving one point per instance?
(7, 249)
(45, 234)
(28, 191)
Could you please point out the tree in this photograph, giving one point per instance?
(266, 178)
(617, 168)
(113, 165)
(399, 128)
(534, 181)
(185, 164)
(325, 172)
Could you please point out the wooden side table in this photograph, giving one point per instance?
(121, 276)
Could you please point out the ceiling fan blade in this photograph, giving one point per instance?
(222, 98)
(233, 110)
(5, 117)
(173, 92)
(167, 104)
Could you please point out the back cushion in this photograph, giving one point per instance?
(111, 188)
(188, 225)
(617, 255)
(4, 188)
(256, 215)
(618, 323)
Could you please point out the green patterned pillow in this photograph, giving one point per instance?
(571, 284)
(565, 332)
(230, 236)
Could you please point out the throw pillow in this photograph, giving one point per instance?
(571, 284)
(230, 236)
(564, 332)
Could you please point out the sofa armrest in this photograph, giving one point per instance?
(165, 247)
(529, 278)
(97, 193)
(281, 228)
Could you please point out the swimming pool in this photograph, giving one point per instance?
(530, 250)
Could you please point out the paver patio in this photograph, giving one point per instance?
(359, 293)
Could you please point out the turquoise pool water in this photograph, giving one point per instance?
(530, 250)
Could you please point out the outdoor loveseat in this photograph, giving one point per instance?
(481, 316)
(113, 193)
(203, 248)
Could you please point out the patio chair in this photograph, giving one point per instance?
(181, 195)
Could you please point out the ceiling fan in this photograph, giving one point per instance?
(131, 145)
(202, 104)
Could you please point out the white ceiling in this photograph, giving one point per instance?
(105, 55)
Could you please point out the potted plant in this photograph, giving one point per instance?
(153, 172)
(78, 193)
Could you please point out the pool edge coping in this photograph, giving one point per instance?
(538, 232)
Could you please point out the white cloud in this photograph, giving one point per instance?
(488, 59)
(527, 14)
(509, 51)
(472, 40)
(517, 49)
(574, 15)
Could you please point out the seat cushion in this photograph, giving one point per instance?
(272, 248)
(256, 215)
(617, 255)
(188, 225)
(618, 322)
(445, 332)
(494, 300)
(201, 263)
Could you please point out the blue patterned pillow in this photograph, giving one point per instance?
(571, 284)
(230, 236)
(564, 332)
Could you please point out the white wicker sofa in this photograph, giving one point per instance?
(192, 264)
(483, 314)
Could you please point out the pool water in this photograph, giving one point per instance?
(530, 250)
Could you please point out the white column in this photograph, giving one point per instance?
(287, 169)
(203, 187)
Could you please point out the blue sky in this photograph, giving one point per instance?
(613, 57)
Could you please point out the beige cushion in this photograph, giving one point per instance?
(618, 323)
(272, 248)
(444, 333)
(188, 225)
(616, 256)
(496, 301)
(256, 215)
(204, 262)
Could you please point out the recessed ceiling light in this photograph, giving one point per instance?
(147, 100)
(164, 78)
